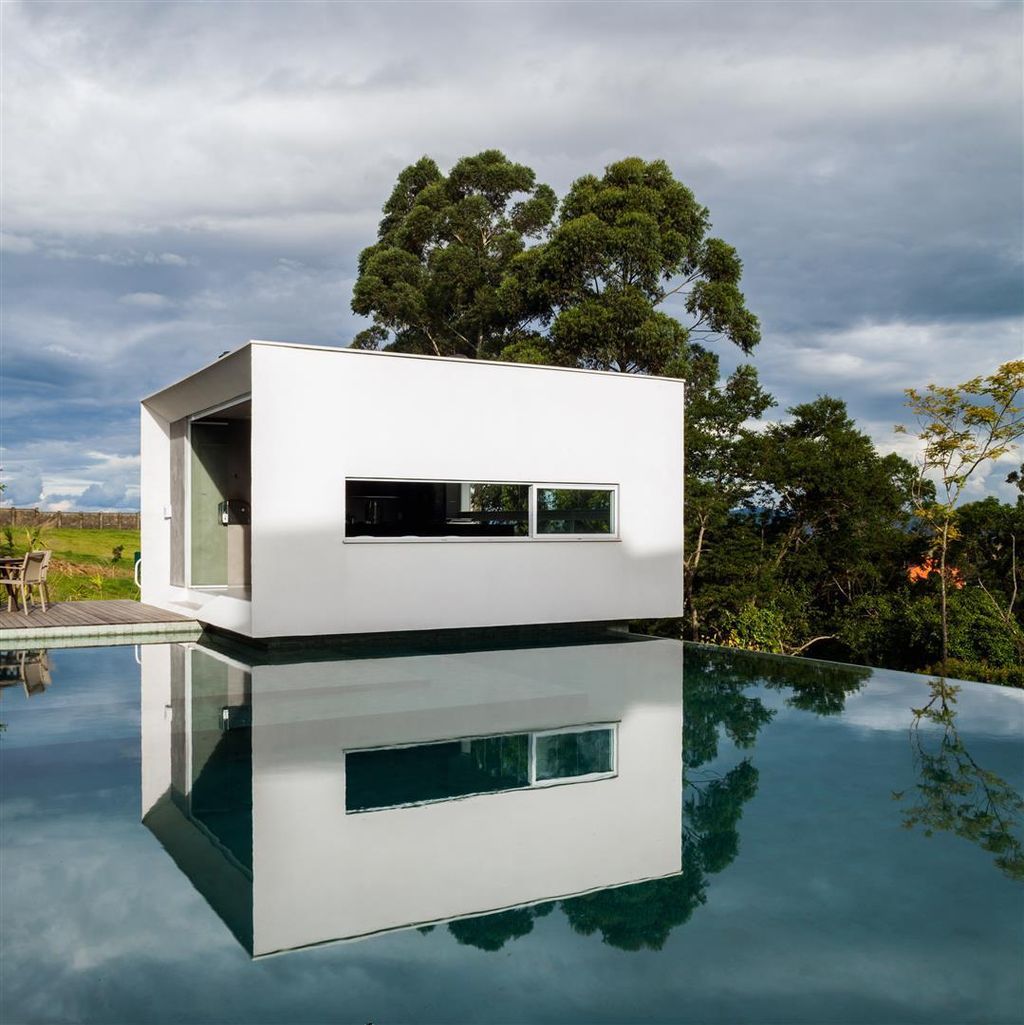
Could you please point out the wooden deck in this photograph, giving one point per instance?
(108, 619)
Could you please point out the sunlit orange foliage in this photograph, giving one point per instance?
(928, 567)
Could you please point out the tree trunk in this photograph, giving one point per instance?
(942, 591)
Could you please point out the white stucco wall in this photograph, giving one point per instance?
(321, 416)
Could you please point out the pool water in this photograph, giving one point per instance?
(194, 833)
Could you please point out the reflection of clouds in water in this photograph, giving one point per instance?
(100, 925)
(981, 708)
(97, 880)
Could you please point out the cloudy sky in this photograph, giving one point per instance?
(179, 178)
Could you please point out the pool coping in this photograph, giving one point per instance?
(100, 634)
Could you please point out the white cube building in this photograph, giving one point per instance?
(293, 491)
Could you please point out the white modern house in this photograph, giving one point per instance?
(323, 800)
(292, 490)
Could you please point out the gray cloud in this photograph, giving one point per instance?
(229, 162)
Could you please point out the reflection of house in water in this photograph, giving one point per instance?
(29, 668)
(327, 800)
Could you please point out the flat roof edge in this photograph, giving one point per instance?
(374, 353)
(460, 359)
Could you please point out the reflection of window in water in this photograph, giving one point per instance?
(421, 773)
(578, 753)
(211, 752)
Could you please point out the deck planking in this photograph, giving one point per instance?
(74, 618)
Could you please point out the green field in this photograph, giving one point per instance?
(83, 566)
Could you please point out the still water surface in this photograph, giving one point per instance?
(525, 835)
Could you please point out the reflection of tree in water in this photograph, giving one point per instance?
(819, 687)
(492, 932)
(956, 795)
(643, 915)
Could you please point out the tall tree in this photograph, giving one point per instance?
(443, 247)
(823, 521)
(990, 554)
(625, 245)
(961, 428)
(719, 477)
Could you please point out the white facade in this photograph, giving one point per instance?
(321, 417)
(298, 867)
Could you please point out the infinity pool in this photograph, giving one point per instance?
(191, 833)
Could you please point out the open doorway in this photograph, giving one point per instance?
(220, 478)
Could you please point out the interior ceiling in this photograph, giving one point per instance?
(243, 411)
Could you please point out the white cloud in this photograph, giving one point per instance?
(146, 300)
(167, 259)
(15, 243)
(22, 490)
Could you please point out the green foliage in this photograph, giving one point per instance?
(34, 539)
(903, 630)
(961, 428)
(624, 245)
(116, 553)
(971, 669)
(445, 244)
(822, 520)
(757, 628)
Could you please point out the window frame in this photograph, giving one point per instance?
(612, 535)
(531, 535)
(609, 727)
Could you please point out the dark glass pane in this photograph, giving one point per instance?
(563, 755)
(489, 510)
(435, 772)
(574, 511)
(434, 509)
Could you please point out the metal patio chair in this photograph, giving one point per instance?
(31, 573)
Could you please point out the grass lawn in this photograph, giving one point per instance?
(83, 566)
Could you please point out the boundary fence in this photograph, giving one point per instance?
(11, 517)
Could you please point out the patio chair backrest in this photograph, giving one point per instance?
(35, 566)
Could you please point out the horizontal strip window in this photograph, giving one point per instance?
(398, 777)
(405, 510)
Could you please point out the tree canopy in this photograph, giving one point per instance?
(625, 244)
(444, 246)
(800, 537)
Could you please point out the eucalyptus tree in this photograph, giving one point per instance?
(431, 280)
(630, 276)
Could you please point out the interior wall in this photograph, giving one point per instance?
(179, 476)
(220, 471)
